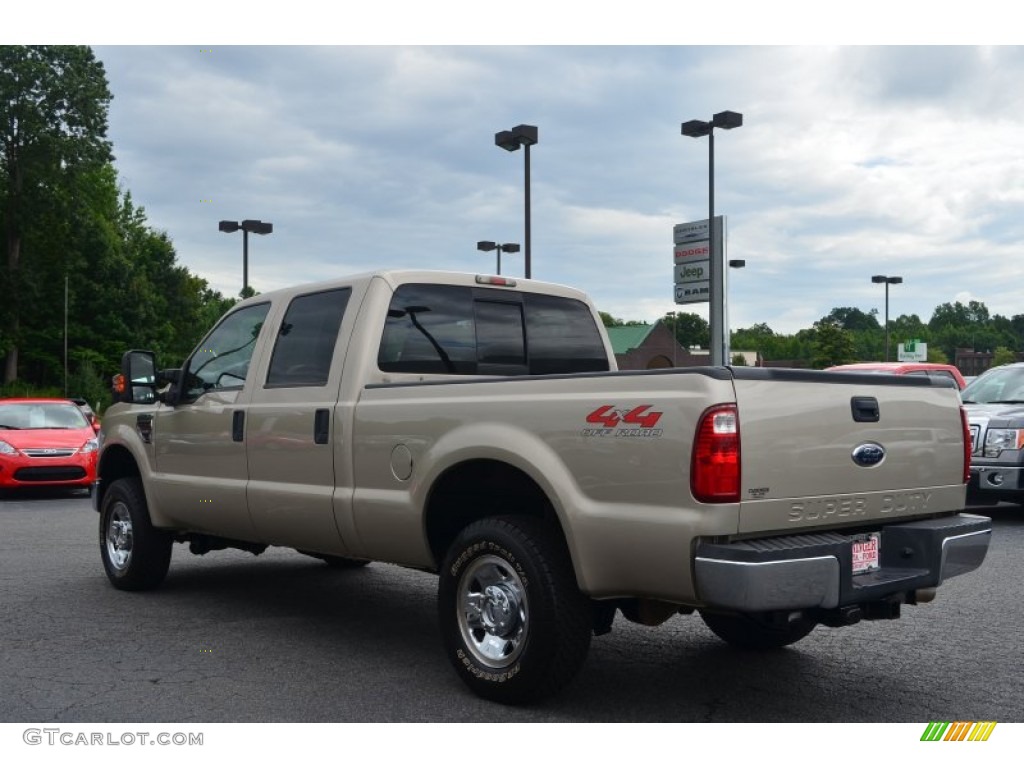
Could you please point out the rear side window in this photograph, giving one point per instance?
(306, 339)
(563, 337)
(429, 329)
(463, 330)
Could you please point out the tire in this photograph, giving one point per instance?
(514, 623)
(334, 561)
(135, 554)
(759, 631)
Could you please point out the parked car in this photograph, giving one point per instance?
(995, 415)
(931, 370)
(45, 442)
(90, 414)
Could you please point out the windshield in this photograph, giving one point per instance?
(998, 385)
(41, 416)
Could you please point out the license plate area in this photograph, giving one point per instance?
(865, 551)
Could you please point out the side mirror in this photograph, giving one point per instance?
(137, 381)
(168, 382)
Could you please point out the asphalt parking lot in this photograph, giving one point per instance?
(282, 638)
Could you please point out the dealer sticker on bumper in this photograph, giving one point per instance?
(866, 548)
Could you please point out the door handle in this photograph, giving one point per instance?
(321, 426)
(238, 426)
(864, 409)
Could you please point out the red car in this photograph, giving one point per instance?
(45, 442)
(934, 370)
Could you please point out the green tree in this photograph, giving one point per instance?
(1002, 356)
(53, 122)
(606, 318)
(689, 329)
(853, 319)
(832, 345)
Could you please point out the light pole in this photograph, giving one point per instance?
(887, 280)
(716, 312)
(248, 225)
(521, 136)
(490, 245)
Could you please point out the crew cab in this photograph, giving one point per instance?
(476, 427)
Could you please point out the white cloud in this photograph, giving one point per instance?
(852, 161)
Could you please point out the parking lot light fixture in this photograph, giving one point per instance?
(521, 136)
(247, 225)
(888, 280)
(717, 312)
(490, 245)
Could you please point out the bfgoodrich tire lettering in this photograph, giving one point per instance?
(135, 554)
(758, 631)
(514, 623)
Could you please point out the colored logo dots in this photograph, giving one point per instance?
(960, 731)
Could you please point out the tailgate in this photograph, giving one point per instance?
(836, 449)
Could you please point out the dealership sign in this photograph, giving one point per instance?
(691, 259)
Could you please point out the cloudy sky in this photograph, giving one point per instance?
(852, 161)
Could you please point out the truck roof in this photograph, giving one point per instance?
(395, 277)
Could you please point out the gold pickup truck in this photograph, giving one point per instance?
(475, 426)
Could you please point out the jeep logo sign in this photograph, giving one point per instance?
(692, 272)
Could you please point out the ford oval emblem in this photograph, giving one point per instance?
(868, 455)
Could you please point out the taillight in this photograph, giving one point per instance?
(715, 466)
(967, 444)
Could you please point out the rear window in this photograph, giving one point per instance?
(483, 331)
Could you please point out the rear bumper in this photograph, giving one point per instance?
(815, 570)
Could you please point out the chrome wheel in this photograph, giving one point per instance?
(493, 611)
(119, 537)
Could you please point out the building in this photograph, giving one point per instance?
(641, 347)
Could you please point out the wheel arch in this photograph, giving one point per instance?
(477, 489)
(115, 462)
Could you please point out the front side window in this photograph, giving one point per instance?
(222, 360)
(305, 341)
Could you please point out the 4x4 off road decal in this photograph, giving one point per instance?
(613, 421)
